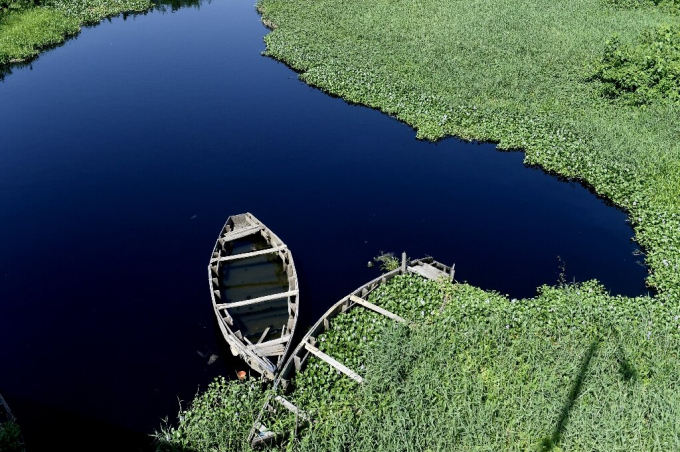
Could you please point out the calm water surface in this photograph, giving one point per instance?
(123, 152)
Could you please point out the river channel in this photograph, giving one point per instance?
(123, 152)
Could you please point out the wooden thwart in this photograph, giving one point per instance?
(281, 340)
(342, 368)
(239, 233)
(428, 271)
(238, 304)
(375, 308)
(247, 255)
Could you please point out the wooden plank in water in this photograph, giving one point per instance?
(247, 255)
(239, 233)
(375, 308)
(428, 271)
(264, 334)
(342, 368)
(238, 304)
(292, 408)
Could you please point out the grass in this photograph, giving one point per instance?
(24, 33)
(518, 72)
(571, 369)
(10, 437)
(217, 419)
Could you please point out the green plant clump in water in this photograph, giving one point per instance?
(10, 437)
(645, 72)
(387, 261)
(516, 72)
(218, 419)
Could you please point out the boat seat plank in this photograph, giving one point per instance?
(239, 233)
(375, 308)
(281, 340)
(341, 367)
(247, 255)
(238, 304)
(275, 350)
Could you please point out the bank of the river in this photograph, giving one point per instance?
(27, 27)
(588, 89)
(571, 369)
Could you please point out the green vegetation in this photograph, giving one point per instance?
(518, 72)
(387, 261)
(27, 27)
(23, 34)
(670, 5)
(646, 72)
(218, 419)
(92, 11)
(571, 369)
(10, 437)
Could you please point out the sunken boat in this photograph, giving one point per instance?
(254, 291)
(277, 404)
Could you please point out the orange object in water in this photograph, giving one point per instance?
(241, 374)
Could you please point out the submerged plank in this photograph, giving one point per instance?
(264, 334)
(238, 304)
(341, 367)
(375, 308)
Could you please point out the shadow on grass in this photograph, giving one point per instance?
(549, 443)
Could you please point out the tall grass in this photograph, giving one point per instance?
(571, 369)
(518, 72)
(23, 34)
(26, 31)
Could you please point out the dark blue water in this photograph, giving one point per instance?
(123, 152)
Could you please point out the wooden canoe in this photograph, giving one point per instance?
(254, 291)
(260, 435)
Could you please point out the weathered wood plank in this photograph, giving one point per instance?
(341, 367)
(274, 350)
(264, 334)
(261, 438)
(251, 254)
(428, 271)
(240, 233)
(292, 408)
(238, 304)
(375, 308)
(281, 340)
